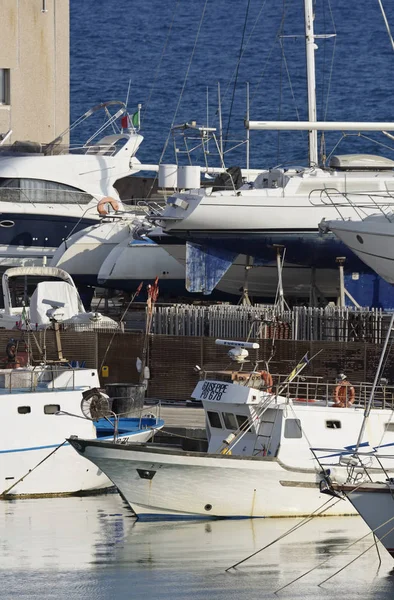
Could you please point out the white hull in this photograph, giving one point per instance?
(281, 200)
(263, 280)
(85, 251)
(137, 261)
(62, 474)
(372, 241)
(374, 502)
(195, 485)
(39, 409)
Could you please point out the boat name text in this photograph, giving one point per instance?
(213, 391)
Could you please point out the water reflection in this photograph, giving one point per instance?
(93, 548)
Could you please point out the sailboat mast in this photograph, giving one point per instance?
(311, 81)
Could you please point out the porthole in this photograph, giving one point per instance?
(208, 507)
(24, 410)
(359, 239)
(7, 223)
(51, 409)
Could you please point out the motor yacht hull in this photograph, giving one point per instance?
(371, 240)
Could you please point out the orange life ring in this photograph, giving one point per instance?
(267, 378)
(101, 206)
(344, 394)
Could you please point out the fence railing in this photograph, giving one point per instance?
(332, 323)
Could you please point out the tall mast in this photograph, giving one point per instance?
(310, 71)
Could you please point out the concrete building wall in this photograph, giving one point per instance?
(35, 47)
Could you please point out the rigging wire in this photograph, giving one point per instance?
(316, 513)
(386, 23)
(156, 74)
(236, 74)
(243, 52)
(336, 555)
(182, 90)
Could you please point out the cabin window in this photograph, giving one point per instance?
(242, 422)
(230, 422)
(214, 419)
(40, 191)
(5, 86)
(333, 424)
(389, 427)
(24, 410)
(293, 428)
(51, 409)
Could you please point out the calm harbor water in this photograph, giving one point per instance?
(92, 548)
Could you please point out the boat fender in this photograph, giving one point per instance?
(268, 381)
(102, 208)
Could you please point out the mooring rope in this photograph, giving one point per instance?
(316, 513)
(6, 492)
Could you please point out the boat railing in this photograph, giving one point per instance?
(361, 202)
(305, 390)
(312, 389)
(145, 416)
(38, 378)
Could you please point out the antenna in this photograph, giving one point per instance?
(238, 352)
(233, 344)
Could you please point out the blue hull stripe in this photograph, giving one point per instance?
(108, 437)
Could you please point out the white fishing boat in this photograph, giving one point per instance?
(283, 205)
(46, 295)
(372, 496)
(40, 407)
(259, 462)
(49, 191)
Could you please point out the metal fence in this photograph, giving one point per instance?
(332, 324)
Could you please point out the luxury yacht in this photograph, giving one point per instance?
(49, 191)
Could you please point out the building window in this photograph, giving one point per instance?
(4, 86)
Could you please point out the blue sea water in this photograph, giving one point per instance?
(171, 51)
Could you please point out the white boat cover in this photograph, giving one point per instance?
(59, 291)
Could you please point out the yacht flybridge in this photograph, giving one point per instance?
(48, 191)
(282, 206)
